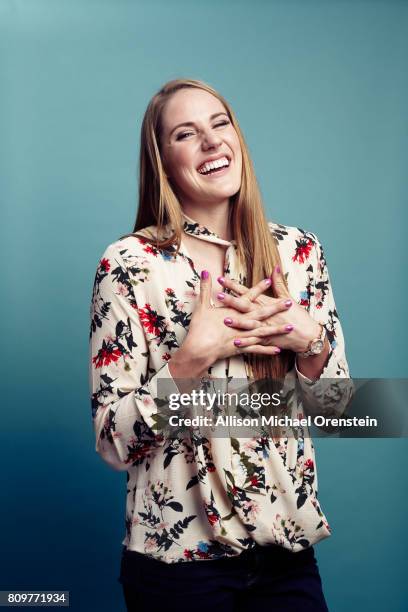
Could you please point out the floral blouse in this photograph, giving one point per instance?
(200, 497)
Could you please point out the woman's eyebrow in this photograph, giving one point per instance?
(189, 123)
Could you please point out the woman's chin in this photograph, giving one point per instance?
(221, 192)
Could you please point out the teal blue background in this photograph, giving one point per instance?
(321, 92)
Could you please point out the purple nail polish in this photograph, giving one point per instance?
(220, 296)
(204, 274)
(288, 303)
(228, 321)
(277, 351)
(289, 327)
(221, 279)
(267, 281)
(278, 270)
(237, 342)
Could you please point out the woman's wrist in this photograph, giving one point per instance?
(186, 363)
(312, 333)
(313, 366)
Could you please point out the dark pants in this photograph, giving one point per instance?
(264, 578)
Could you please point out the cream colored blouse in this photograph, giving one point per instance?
(202, 496)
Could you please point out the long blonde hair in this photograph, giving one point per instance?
(159, 205)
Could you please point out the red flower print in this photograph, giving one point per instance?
(212, 518)
(149, 318)
(210, 468)
(170, 291)
(105, 265)
(166, 356)
(202, 554)
(136, 454)
(106, 355)
(303, 248)
(150, 249)
(188, 554)
(309, 464)
(254, 481)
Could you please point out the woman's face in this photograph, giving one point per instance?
(196, 130)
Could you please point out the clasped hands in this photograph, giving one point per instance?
(263, 324)
(247, 322)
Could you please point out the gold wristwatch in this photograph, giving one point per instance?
(315, 346)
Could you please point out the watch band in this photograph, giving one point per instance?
(315, 346)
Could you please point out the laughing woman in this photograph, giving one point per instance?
(206, 288)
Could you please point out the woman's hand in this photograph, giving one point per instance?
(303, 328)
(210, 338)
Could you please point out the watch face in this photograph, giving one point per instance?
(317, 347)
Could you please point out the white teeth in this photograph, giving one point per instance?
(218, 163)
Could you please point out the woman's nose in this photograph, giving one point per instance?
(211, 140)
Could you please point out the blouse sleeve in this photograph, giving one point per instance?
(332, 392)
(124, 391)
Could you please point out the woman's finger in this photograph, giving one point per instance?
(245, 341)
(271, 330)
(258, 289)
(242, 304)
(262, 335)
(264, 312)
(252, 293)
(242, 323)
(259, 315)
(233, 285)
(205, 288)
(260, 349)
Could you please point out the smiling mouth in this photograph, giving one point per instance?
(218, 166)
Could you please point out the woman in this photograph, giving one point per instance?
(229, 520)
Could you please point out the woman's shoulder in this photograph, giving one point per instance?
(135, 244)
(283, 233)
(293, 242)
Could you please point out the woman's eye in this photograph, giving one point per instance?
(183, 135)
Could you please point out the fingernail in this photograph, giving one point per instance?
(277, 350)
(228, 321)
(204, 274)
(237, 342)
(277, 270)
(288, 303)
(221, 279)
(289, 327)
(267, 281)
(220, 296)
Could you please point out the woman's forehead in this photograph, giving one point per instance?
(190, 105)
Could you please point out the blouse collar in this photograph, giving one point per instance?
(192, 227)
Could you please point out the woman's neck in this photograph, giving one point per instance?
(216, 219)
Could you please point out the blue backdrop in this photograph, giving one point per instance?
(321, 91)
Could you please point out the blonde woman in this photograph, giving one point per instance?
(205, 288)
